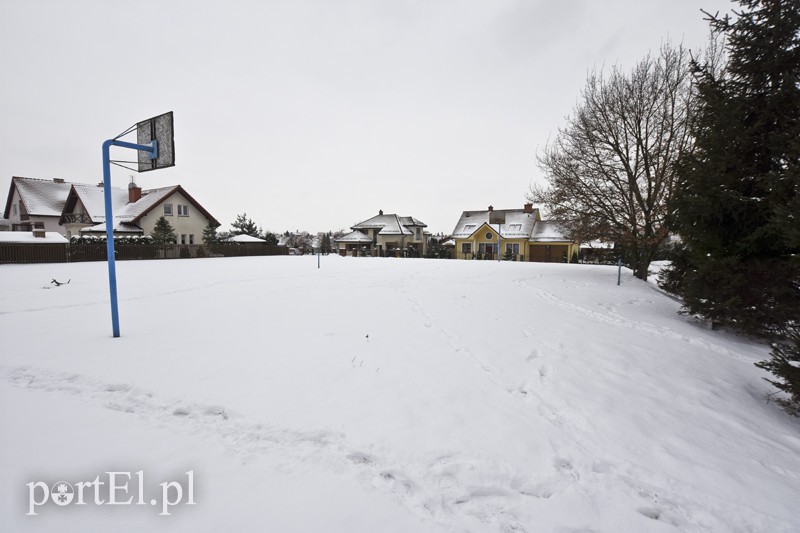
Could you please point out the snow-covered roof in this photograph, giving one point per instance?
(548, 231)
(93, 199)
(390, 224)
(598, 245)
(244, 238)
(119, 227)
(50, 237)
(449, 242)
(40, 197)
(354, 237)
(411, 221)
(518, 223)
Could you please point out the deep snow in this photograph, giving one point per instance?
(387, 395)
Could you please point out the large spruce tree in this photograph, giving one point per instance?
(163, 233)
(736, 207)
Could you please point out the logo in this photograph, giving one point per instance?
(62, 493)
(112, 488)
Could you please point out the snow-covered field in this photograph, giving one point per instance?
(385, 395)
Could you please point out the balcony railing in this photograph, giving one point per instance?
(77, 218)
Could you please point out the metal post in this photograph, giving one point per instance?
(318, 259)
(151, 149)
(499, 240)
(112, 267)
(619, 269)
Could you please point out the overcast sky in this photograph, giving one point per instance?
(315, 114)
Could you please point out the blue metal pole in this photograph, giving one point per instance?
(112, 267)
(499, 240)
(151, 149)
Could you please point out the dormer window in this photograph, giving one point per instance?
(469, 227)
(514, 227)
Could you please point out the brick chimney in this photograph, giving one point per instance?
(58, 180)
(380, 212)
(491, 208)
(134, 192)
(527, 208)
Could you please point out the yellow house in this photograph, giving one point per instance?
(515, 234)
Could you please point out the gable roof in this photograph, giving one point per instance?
(518, 224)
(42, 197)
(390, 224)
(39, 197)
(93, 199)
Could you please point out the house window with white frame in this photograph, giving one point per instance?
(167, 210)
(466, 247)
(512, 248)
(14, 209)
(183, 210)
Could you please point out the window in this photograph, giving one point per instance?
(514, 227)
(419, 232)
(512, 248)
(469, 227)
(489, 236)
(191, 238)
(466, 247)
(168, 210)
(183, 238)
(14, 206)
(183, 210)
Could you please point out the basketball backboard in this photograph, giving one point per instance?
(497, 217)
(157, 129)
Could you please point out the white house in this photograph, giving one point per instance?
(386, 235)
(74, 209)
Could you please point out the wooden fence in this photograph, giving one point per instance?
(74, 253)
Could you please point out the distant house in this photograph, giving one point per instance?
(523, 236)
(35, 203)
(75, 209)
(385, 236)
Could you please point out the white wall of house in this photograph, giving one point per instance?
(186, 220)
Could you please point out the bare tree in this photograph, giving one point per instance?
(611, 169)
